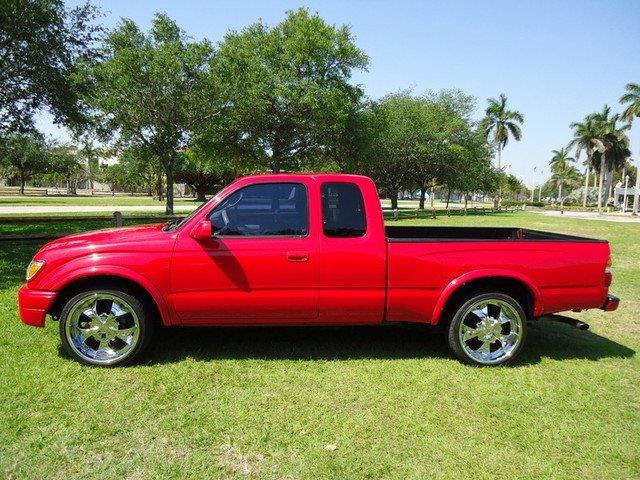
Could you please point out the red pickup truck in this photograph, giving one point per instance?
(308, 250)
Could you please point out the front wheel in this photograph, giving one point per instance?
(488, 329)
(104, 327)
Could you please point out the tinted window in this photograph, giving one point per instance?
(263, 209)
(343, 210)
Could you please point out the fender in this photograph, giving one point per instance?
(58, 282)
(460, 281)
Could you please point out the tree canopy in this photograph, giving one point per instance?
(149, 90)
(286, 90)
(23, 155)
(42, 48)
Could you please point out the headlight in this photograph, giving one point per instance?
(34, 267)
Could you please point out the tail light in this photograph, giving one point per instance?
(608, 277)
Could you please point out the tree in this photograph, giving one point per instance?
(476, 173)
(203, 172)
(152, 90)
(443, 138)
(393, 126)
(607, 144)
(136, 170)
(64, 162)
(23, 155)
(286, 88)
(613, 152)
(500, 124)
(514, 186)
(42, 46)
(632, 97)
(563, 172)
(586, 138)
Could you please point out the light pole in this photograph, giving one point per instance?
(540, 190)
(533, 183)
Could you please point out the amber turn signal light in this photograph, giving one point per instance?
(34, 267)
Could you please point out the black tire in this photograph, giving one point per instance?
(144, 326)
(462, 314)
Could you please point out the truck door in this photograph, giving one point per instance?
(261, 263)
(352, 255)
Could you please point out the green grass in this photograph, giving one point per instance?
(264, 403)
(65, 226)
(55, 200)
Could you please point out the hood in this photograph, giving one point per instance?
(110, 237)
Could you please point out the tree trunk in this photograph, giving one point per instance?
(394, 199)
(448, 196)
(169, 174)
(600, 187)
(586, 187)
(561, 199)
(159, 191)
(72, 186)
(497, 200)
(423, 192)
(276, 160)
(22, 182)
(466, 199)
(608, 191)
(636, 194)
(201, 194)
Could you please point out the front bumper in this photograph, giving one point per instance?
(611, 303)
(33, 305)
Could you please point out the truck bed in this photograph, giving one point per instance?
(468, 234)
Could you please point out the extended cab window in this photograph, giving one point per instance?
(263, 209)
(343, 210)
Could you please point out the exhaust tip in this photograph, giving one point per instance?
(570, 321)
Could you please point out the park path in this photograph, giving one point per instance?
(26, 209)
(607, 217)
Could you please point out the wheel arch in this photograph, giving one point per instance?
(511, 283)
(137, 287)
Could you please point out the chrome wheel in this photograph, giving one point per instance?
(102, 328)
(490, 331)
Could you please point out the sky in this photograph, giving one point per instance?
(556, 61)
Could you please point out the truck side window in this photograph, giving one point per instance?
(343, 210)
(264, 209)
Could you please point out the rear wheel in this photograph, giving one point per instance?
(104, 327)
(488, 329)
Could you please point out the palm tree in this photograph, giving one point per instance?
(563, 172)
(607, 144)
(615, 151)
(632, 97)
(585, 138)
(499, 125)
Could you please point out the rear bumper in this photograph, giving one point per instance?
(33, 305)
(611, 303)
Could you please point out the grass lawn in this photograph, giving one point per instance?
(264, 403)
(53, 200)
(65, 226)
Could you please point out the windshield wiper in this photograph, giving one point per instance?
(172, 225)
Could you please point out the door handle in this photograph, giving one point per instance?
(298, 256)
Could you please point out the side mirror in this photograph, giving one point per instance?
(202, 231)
